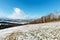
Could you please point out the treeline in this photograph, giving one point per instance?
(49, 18)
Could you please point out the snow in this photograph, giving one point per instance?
(42, 30)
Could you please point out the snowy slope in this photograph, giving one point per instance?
(42, 31)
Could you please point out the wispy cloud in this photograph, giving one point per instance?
(19, 14)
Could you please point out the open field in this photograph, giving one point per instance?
(44, 31)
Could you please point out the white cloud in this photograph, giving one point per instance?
(16, 14)
(19, 14)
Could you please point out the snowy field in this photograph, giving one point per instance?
(44, 31)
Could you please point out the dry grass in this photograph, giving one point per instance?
(40, 34)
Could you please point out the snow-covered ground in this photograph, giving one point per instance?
(44, 31)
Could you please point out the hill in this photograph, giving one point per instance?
(45, 31)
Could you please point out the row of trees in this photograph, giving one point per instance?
(49, 18)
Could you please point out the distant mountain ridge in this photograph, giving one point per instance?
(7, 23)
(14, 20)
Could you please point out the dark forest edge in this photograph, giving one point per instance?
(3, 26)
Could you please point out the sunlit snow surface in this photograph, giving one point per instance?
(44, 31)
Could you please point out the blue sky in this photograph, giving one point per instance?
(28, 8)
